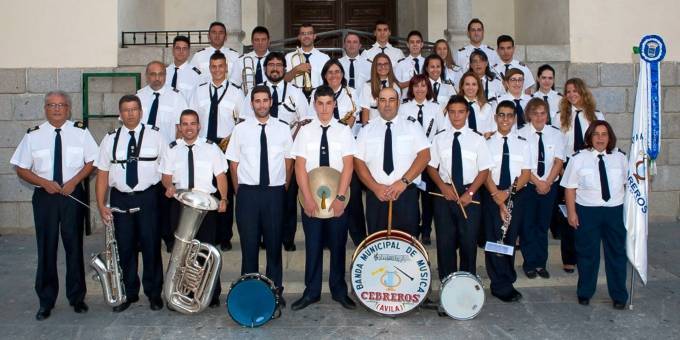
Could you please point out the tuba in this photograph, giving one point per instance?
(304, 80)
(194, 266)
(248, 74)
(107, 267)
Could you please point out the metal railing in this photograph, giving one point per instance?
(162, 38)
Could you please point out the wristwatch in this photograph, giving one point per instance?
(405, 180)
(340, 198)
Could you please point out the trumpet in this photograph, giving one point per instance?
(248, 73)
(296, 59)
(351, 112)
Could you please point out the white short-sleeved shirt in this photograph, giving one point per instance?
(362, 70)
(293, 104)
(307, 144)
(408, 139)
(317, 59)
(474, 154)
(188, 77)
(147, 168)
(406, 68)
(244, 148)
(523, 101)
(208, 162)
(392, 52)
(432, 116)
(520, 155)
(463, 55)
(553, 147)
(446, 90)
(370, 103)
(569, 134)
(170, 107)
(35, 152)
(454, 74)
(553, 99)
(484, 116)
(500, 68)
(201, 59)
(583, 174)
(229, 107)
(257, 60)
(493, 88)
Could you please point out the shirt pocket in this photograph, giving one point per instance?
(587, 180)
(615, 178)
(203, 169)
(404, 145)
(74, 157)
(335, 151)
(42, 160)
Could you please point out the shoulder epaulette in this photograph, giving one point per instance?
(111, 132)
(283, 121)
(236, 86)
(398, 61)
(241, 56)
(447, 81)
(201, 49)
(522, 64)
(175, 89)
(521, 138)
(491, 99)
(208, 141)
(477, 132)
(411, 119)
(456, 68)
(554, 127)
(559, 94)
(196, 69)
(491, 48)
(33, 129)
(494, 65)
(439, 131)
(155, 128)
(369, 60)
(461, 49)
(173, 144)
(575, 153)
(294, 85)
(79, 125)
(206, 83)
(404, 101)
(491, 134)
(231, 49)
(621, 151)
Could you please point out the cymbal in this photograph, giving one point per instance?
(323, 183)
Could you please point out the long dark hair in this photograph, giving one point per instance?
(327, 66)
(479, 53)
(588, 139)
(545, 67)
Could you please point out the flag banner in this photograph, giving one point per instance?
(644, 148)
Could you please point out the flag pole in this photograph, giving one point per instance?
(632, 286)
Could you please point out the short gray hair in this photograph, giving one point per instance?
(59, 93)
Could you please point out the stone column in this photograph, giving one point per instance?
(229, 13)
(458, 14)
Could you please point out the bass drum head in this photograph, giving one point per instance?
(462, 295)
(251, 301)
(390, 276)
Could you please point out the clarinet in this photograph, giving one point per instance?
(509, 204)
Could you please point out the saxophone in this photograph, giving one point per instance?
(194, 267)
(351, 112)
(107, 267)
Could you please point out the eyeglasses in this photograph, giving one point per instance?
(384, 64)
(56, 105)
(505, 115)
(516, 80)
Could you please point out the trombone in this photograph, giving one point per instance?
(301, 80)
(248, 73)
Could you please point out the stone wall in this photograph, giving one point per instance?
(22, 93)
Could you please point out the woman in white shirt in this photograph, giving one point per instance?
(480, 118)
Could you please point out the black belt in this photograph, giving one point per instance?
(142, 159)
(133, 193)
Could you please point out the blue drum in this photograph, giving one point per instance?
(253, 300)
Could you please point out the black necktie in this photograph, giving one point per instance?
(420, 114)
(457, 163)
(323, 150)
(154, 110)
(190, 159)
(212, 119)
(274, 111)
(388, 163)
(604, 184)
(417, 65)
(264, 160)
(547, 108)
(472, 119)
(384, 83)
(173, 84)
(519, 113)
(131, 178)
(307, 55)
(351, 73)
(507, 67)
(436, 90)
(258, 71)
(486, 88)
(383, 49)
(504, 182)
(57, 170)
(541, 155)
(578, 133)
(336, 112)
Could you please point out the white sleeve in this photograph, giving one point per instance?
(90, 148)
(570, 176)
(22, 155)
(233, 151)
(434, 154)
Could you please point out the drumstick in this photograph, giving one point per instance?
(389, 218)
(409, 276)
(440, 195)
(455, 192)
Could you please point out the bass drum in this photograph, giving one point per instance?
(391, 273)
(253, 300)
(462, 295)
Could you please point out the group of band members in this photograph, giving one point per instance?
(441, 139)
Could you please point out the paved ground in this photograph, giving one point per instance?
(548, 310)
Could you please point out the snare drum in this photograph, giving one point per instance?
(390, 274)
(462, 295)
(253, 300)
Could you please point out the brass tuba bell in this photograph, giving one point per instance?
(323, 183)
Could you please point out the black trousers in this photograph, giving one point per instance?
(259, 212)
(567, 246)
(426, 206)
(355, 211)
(290, 212)
(501, 268)
(55, 214)
(315, 230)
(405, 214)
(206, 233)
(534, 237)
(167, 228)
(455, 234)
(225, 220)
(139, 229)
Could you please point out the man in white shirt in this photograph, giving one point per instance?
(217, 35)
(307, 60)
(182, 75)
(357, 69)
(254, 59)
(414, 63)
(382, 44)
(506, 52)
(475, 31)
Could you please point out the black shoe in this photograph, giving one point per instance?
(346, 302)
(123, 306)
(516, 294)
(427, 240)
(226, 246)
(43, 313)
(568, 270)
(80, 307)
(513, 296)
(542, 272)
(214, 303)
(282, 302)
(583, 301)
(156, 303)
(302, 303)
(168, 246)
(429, 304)
(289, 247)
(619, 305)
(530, 273)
